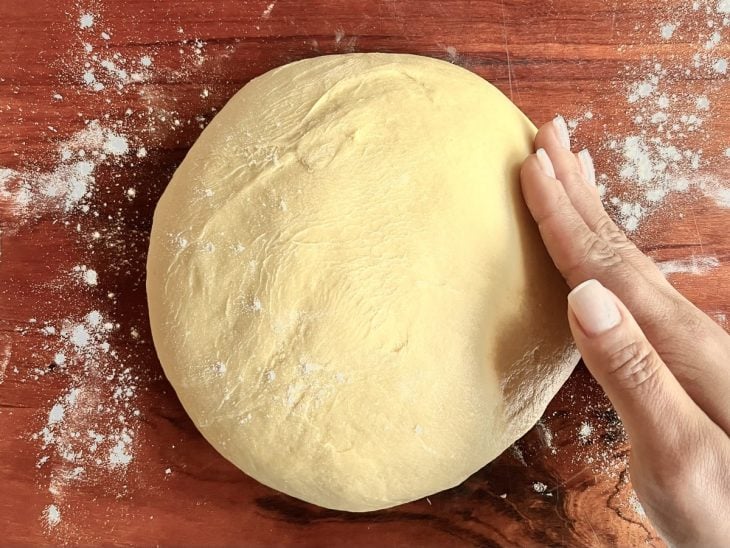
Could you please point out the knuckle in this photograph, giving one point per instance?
(607, 230)
(600, 253)
(685, 336)
(596, 256)
(633, 364)
(692, 320)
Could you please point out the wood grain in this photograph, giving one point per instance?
(557, 56)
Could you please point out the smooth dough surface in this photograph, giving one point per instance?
(345, 288)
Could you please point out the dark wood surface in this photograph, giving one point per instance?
(554, 487)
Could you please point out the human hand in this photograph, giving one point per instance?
(663, 363)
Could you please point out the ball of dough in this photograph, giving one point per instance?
(345, 288)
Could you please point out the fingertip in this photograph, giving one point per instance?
(587, 166)
(554, 135)
(530, 168)
(594, 307)
(546, 164)
(560, 127)
(537, 177)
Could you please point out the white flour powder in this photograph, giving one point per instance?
(86, 21)
(52, 515)
(667, 146)
(585, 431)
(92, 427)
(695, 265)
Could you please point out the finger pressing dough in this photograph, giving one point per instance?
(345, 288)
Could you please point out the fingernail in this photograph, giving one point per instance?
(545, 163)
(589, 169)
(594, 307)
(561, 128)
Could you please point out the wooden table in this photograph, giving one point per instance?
(564, 484)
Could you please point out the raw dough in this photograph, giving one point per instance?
(345, 288)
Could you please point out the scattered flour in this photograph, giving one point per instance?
(91, 427)
(116, 145)
(267, 12)
(71, 183)
(52, 515)
(518, 454)
(585, 431)
(663, 151)
(695, 265)
(86, 21)
(90, 277)
(539, 487)
(721, 195)
(720, 66)
(636, 505)
(546, 436)
(102, 69)
(119, 455)
(56, 414)
(667, 30)
(87, 275)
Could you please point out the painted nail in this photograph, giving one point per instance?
(545, 163)
(561, 128)
(594, 307)
(589, 170)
